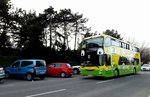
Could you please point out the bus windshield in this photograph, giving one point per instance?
(95, 60)
(93, 42)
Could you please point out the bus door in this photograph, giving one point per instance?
(124, 65)
(107, 63)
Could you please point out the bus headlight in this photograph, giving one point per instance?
(100, 51)
(100, 71)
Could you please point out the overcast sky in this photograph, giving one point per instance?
(131, 18)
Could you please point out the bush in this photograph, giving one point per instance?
(6, 61)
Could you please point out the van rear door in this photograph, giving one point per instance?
(40, 67)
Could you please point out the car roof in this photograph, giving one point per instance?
(146, 64)
(58, 63)
(30, 60)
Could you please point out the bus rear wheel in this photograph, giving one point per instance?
(116, 73)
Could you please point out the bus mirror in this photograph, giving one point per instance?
(100, 51)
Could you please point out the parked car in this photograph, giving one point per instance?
(28, 68)
(145, 67)
(76, 69)
(2, 73)
(59, 69)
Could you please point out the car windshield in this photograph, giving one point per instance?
(92, 42)
(146, 65)
(40, 63)
(68, 65)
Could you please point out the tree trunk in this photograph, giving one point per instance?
(76, 35)
(65, 35)
(50, 36)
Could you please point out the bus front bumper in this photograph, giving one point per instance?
(96, 72)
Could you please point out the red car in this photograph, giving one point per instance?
(59, 69)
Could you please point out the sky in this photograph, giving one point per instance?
(131, 18)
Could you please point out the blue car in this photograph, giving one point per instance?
(28, 68)
(2, 73)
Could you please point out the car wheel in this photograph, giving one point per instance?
(75, 71)
(63, 74)
(7, 75)
(29, 77)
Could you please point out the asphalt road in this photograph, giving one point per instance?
(127, 86)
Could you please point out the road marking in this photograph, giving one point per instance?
(104, 81)
(46, 93)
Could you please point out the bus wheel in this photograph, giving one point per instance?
(116, 73)
(134, 71)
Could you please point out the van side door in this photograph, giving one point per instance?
(15, 68)
(26, 67)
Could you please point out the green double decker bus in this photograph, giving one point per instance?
(107, 56)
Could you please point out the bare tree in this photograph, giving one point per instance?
(132, 41)
(144, 49)
(145, 53)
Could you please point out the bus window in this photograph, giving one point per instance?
(128, 47)
(136, 49)
(120, 61)
(132, 49)
(123, 61)
(107, 41)
(127, 61)
(115, 42)
(107, 60)
(136, 61)
(92, 42)
(123, 45)
(95, 42)
(120, 44)
(132, 61)
(93, 59)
